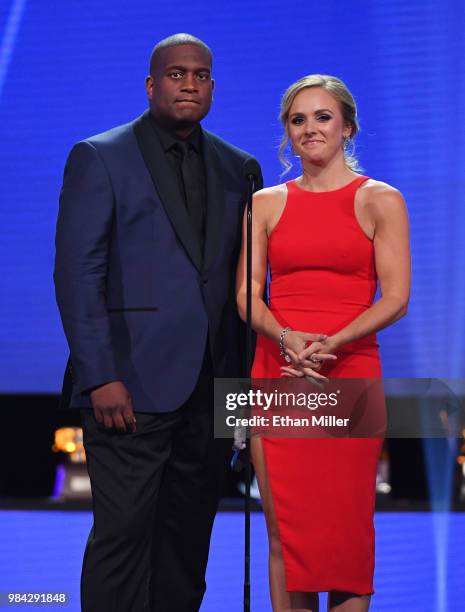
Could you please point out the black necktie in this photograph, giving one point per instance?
(192, 189)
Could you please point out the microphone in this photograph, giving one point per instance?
(251, 169)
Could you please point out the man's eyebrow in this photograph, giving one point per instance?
(184, 68)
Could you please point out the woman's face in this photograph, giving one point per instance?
(316, 127)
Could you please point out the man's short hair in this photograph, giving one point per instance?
(174, 41)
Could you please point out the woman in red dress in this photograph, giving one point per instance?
(329, 237)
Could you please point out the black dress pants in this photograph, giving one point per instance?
(155, 494)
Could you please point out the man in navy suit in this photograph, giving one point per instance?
(147, 240)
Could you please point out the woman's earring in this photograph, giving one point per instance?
(348, 146)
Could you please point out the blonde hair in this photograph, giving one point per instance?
(347, 105)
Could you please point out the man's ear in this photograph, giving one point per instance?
(149, 86)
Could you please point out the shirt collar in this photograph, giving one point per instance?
(169, 139)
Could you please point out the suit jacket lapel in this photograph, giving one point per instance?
(170, 195)
(215, 200)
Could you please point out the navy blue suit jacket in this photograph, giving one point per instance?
(137, 300)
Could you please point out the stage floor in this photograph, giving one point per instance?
(420, 561)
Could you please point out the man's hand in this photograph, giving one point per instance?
(113, 407)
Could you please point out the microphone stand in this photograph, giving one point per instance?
(248, 356)
(252, 174)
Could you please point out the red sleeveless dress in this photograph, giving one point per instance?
(322, 277)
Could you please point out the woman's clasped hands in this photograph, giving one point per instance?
(307, 354)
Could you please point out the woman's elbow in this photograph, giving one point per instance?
(241, 305)
(402, 308)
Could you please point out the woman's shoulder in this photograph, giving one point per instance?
(372, 187)
(268, 204)
(270, 197)
(270, 193)
(381, 197)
